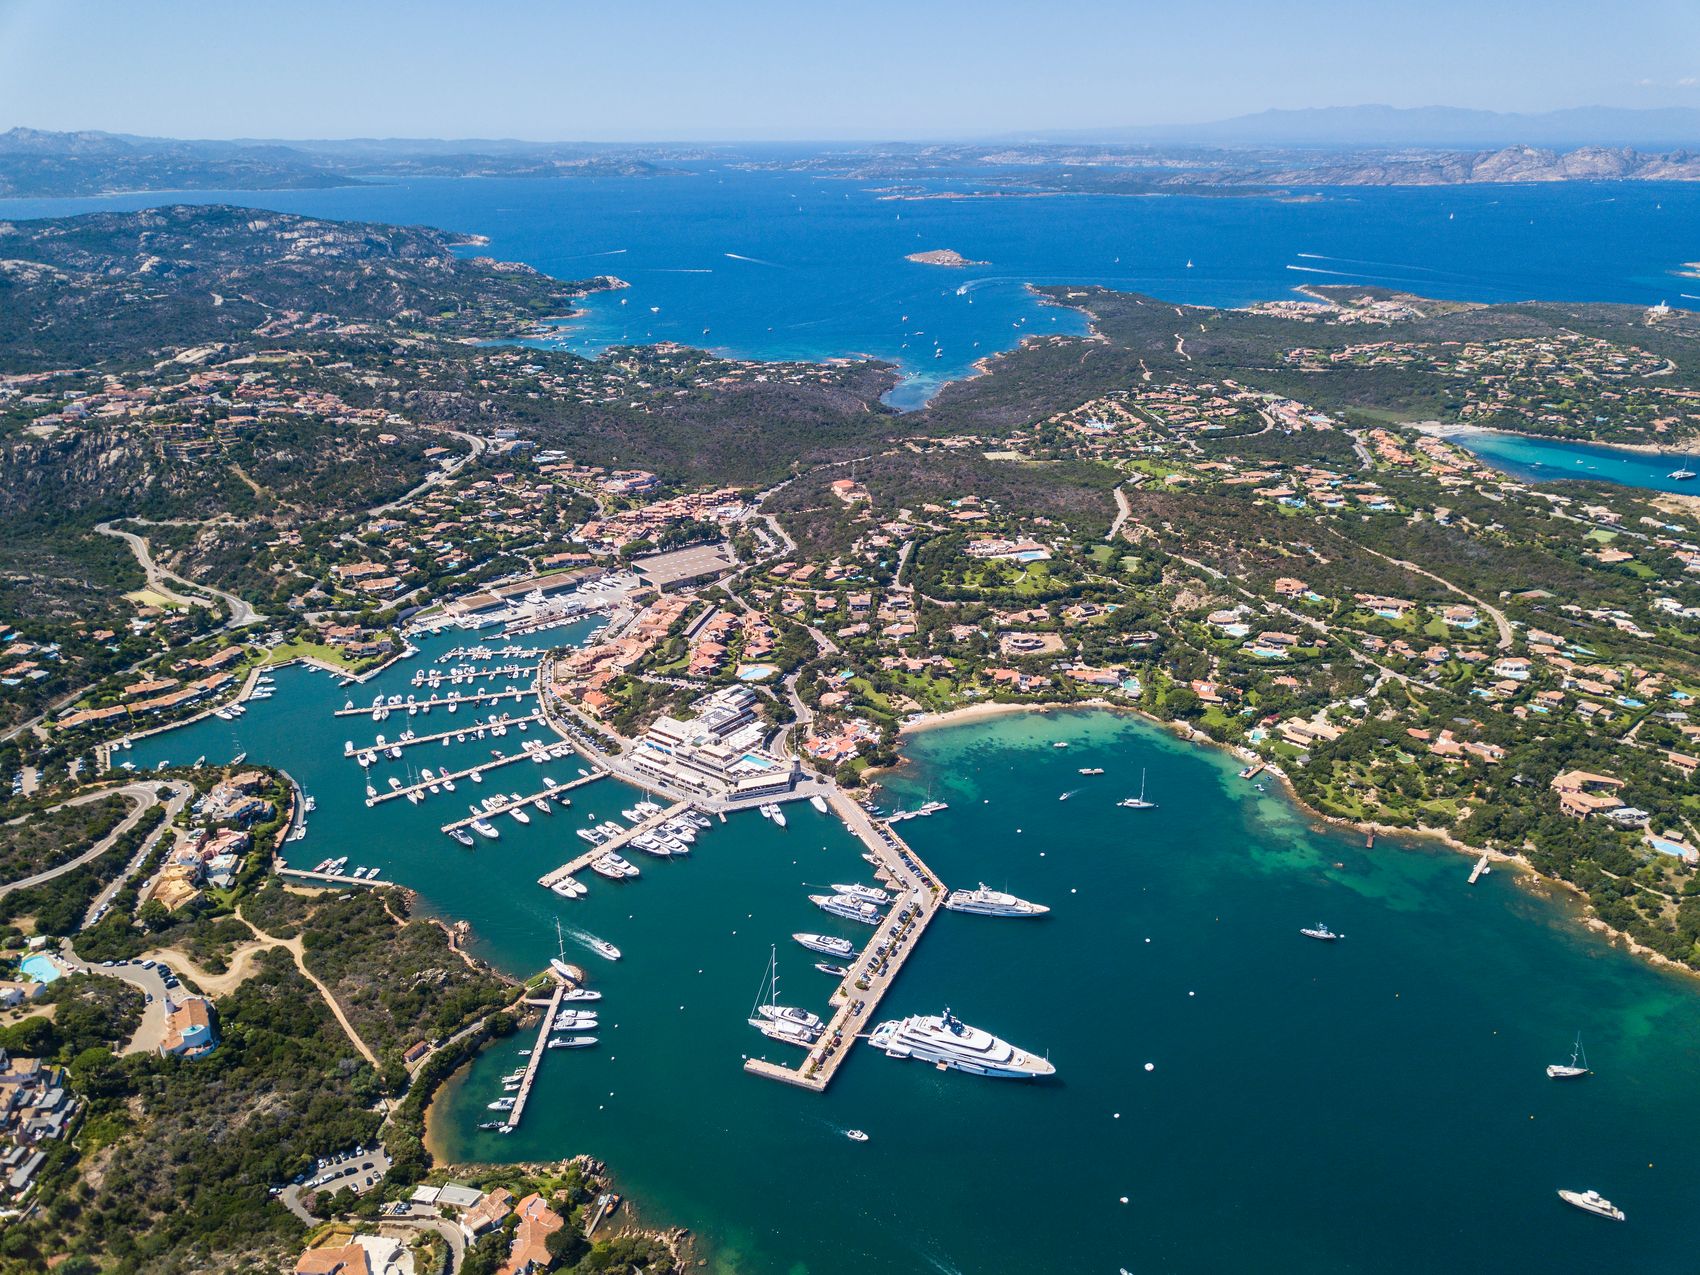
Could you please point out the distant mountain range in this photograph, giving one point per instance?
(1437, 126)
(1332, 146)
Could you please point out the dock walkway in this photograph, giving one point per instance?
(612, 845)
(1480, 868)
(425, 705)
(919, 895)
(469, 730)
(326, 878)
(537, 1052)
(512, 803)
(424, 785)
(462, 673)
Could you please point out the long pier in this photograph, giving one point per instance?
(613, 844)
(425, 705)
(469, 730)
(326, 878)
(537, 1052)
(434, 677)
(512, 804)
(424, 785)
(920, 894)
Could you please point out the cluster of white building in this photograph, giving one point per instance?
(718, 752)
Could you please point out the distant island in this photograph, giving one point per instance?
(944, 257)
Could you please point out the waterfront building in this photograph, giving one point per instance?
(717, 752)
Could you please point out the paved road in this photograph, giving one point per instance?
(241, 614)
(1499, 620)
(180, 794)
(436, 476)
(1123, 511)
(141, 793)
(420, 1218)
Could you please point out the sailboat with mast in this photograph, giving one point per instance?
(781, 1022)
(558, 962)
(1682, 473)
(1139, 802)
(1576, 1068)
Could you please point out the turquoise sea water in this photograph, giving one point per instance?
(1376, 1105)
(796, 265)
(1546, 460)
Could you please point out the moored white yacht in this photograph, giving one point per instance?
(846, 907)
(947, 1042)
(826, 944)
(781, 1022)
(1575, 1068)
(867, 893)
(1592, 1202)
(988, 902)
(558, 962)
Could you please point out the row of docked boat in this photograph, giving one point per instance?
(483, 654)
(462, 674)
(920, 812)
(382, 706)
(338, 867)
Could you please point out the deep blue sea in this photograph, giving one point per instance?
(792, 265)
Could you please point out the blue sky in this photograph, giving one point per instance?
(748, 69)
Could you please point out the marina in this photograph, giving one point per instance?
(1082, 987)
(423, 786)
(502, 805)
(458, 734)
(919, 896)
(448, 703)
(612, 845)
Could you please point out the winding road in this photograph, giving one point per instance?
(160, 580)
(143, 795)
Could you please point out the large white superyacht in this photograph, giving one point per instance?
(988, 902)
(947, 1042)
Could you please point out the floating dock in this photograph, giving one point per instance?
(612, 845)
(424, 785)
(537, 1052)
(435, 677)
(327, 878)
(920, 894)
(426, 705)
(511, 803)
(470, 731)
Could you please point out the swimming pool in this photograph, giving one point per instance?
(42, 968)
